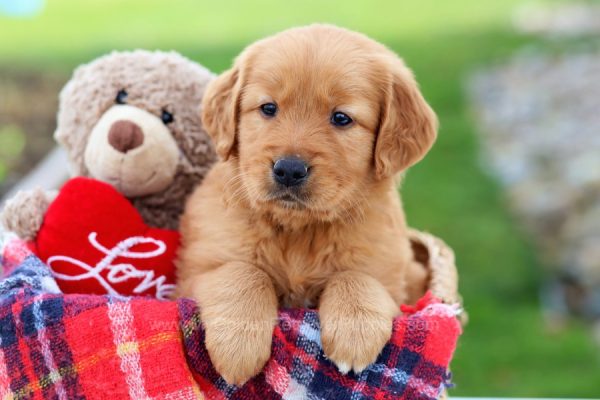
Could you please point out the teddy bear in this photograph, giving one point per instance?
(130, 121)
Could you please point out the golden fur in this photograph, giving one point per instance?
(344, 247)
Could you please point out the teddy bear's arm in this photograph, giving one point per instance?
(24, 213)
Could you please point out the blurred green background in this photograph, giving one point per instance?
(506, 349)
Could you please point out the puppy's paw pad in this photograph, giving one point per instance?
(238, 354)
(355, 345)
(343, 367)
(359, 368)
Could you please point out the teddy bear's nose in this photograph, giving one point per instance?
(125, 136)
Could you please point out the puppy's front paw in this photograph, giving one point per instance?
(238, 307)
(238, 349)
(353, 342)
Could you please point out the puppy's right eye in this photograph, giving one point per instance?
(340, 119)
(268, 109)
(121, 97)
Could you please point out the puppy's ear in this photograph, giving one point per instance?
(220, 109)
(408, 125)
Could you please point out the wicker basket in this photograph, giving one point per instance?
(439, 260)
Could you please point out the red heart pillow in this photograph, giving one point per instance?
(96, 242)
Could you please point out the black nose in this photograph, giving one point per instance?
(290, 171)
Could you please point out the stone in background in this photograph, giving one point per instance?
(572, 18)
(539, 117)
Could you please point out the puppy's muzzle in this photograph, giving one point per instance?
(290, 171)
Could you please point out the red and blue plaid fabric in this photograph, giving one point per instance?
(60, 346)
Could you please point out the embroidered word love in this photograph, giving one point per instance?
(119, 272)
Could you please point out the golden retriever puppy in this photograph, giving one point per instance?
(311, 126)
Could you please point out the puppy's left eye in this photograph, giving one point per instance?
(340, 119)
(166, 117)
(269, 109)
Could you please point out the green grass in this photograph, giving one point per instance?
(505, 350)
(12, 142)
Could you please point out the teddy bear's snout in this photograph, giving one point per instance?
(133, 150)
(125, 136)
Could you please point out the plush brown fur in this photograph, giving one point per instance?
(159, 174)
(344, 247)
(155, 81)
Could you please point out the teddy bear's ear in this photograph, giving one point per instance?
(220, 110)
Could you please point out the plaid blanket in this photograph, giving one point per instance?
(96, 347)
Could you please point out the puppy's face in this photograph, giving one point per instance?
(307, 127)
(314, 117)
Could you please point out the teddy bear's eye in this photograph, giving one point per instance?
(121, 97)
(166, 117)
